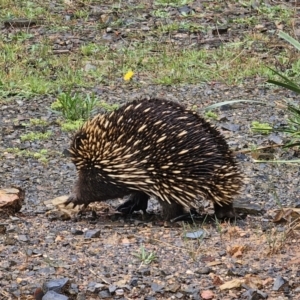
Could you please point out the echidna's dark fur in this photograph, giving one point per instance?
(154, 148)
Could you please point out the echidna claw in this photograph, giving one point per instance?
(73, 201)
(137, 201)
(127, 208)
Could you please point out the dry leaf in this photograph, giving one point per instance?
(279, 25)
(214, 263)
(216, 280)
(58, 238)
(58, 201)
(113, 239)
(253, 281)
(294, 262)
(236, 232)
(286, 215)
(236, 251)
(235, 283)
(267, 281)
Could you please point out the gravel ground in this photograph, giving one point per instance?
(100, 258)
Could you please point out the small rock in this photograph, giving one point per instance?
(173, 288)
(185, 10)
(275, 139)
(196, 234)
(253, 294)
(95, 287)
(207, 294)
(179, 295)
(76, 231)
(9, 241)
(279, 283)
(22, 238)
(145, 272)
(119, 292)
(157, 288)
(112, 288)
(91, 234)
(89, 67)
(231, 127)
(104, 294)
(51, 295)
(204, 270)
(134, 282)
(46, 271)
(73, 289)
(5, 265)
(191, 289)
(55, 285)
(2, 228)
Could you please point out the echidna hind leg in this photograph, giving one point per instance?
(137, 201)
(171, 211)
(224, 211)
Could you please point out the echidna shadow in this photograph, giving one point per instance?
(154, 147)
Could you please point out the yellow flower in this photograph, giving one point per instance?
(128, 75)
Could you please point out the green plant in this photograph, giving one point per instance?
(277, 200)
(36, 122)
(218, 226)
(71, 125)
(75, 107)
(292, 129)
(39, 122)
(89, 49)
(175, 3)
(108, 107)
(41, 156)
(144, 256)
(160, 13)
(211, 115)
(81, 14)
(275, 240)
(263, 128)
(33, 136)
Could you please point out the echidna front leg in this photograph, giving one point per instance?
(224, 211)
(75, 201)
(171, 210)
(137, 201)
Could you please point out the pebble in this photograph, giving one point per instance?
(91, 234)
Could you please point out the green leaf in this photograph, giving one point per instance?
(289, 39)
(284, 78)
(230, 102)
(285, 85)
(294, 161)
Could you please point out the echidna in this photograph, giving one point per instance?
(154, 147)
